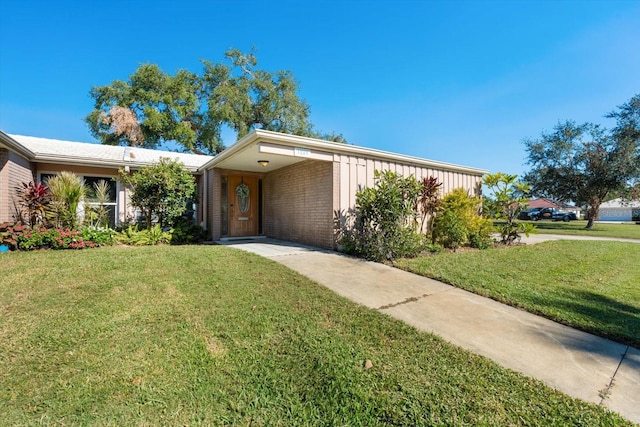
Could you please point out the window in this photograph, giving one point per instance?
(93, 200)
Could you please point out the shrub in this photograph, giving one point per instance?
(380, 227)
(450, 230)
(99, 236)
(33, 201)
(42, 238)
(67, 190)
(458, 222)
(507, 202)
(185, 232)
(160, 191)
(133, 236)
(10, 234)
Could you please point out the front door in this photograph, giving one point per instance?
(243, 205)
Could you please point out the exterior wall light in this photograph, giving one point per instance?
(263, 163)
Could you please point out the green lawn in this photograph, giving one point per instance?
(591, 285)
(207, 335)
(600, 229)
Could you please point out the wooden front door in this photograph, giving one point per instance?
(243, 205)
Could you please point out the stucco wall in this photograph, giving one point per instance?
(14, 170)
(298, 202)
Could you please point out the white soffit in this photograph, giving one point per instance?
(278, 147)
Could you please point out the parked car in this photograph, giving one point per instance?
(529, 215)
(553, 214)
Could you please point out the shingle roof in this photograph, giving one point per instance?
(46, 149)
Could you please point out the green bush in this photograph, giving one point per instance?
(99, 236)
(449, 230)
(53, 238)
(185, 232)
(507, 201)
(160, 191)
(458, 222)
(67, 191)
(382, 225)
(134, 236)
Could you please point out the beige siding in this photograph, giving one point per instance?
(298, 202)
(356, 172)
(14, 170)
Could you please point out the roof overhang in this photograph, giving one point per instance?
(281, 150)
(13, 145)
(104, 163)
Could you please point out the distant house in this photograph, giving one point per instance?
(543, 202)
(266, 184)
(619, 210)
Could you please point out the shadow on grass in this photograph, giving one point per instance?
(596, 314)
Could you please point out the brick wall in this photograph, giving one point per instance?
(298, 203)
(214, 218)
(14, 170)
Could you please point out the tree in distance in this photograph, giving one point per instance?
(154, 107)
(586, 163)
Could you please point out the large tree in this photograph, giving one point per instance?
(585, 163)
(153, 107)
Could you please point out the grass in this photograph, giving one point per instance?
(600, 229)
(590, 285)
(178, 335)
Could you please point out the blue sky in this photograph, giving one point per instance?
(454, 81)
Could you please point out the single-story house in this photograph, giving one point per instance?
(266, 184)
(27, 158)
(543, 202)
(619, 210)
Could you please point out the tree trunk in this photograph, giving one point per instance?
(592, 211)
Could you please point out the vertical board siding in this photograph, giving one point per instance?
(14, 170)
(351, 173)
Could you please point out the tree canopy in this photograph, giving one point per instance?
(153, 107)
(586, 163)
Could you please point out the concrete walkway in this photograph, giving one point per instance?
(580, 364)
(538, 238)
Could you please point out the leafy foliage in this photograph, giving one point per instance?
(133, 236)
(153, 107)
(585, 163)
(459, 223)
(98, 216)
(185, 232)
(10, 234)
(34, 199)
(509, 198)
(381, 226)
(160, 191)
(67, 190)
(429, 201)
